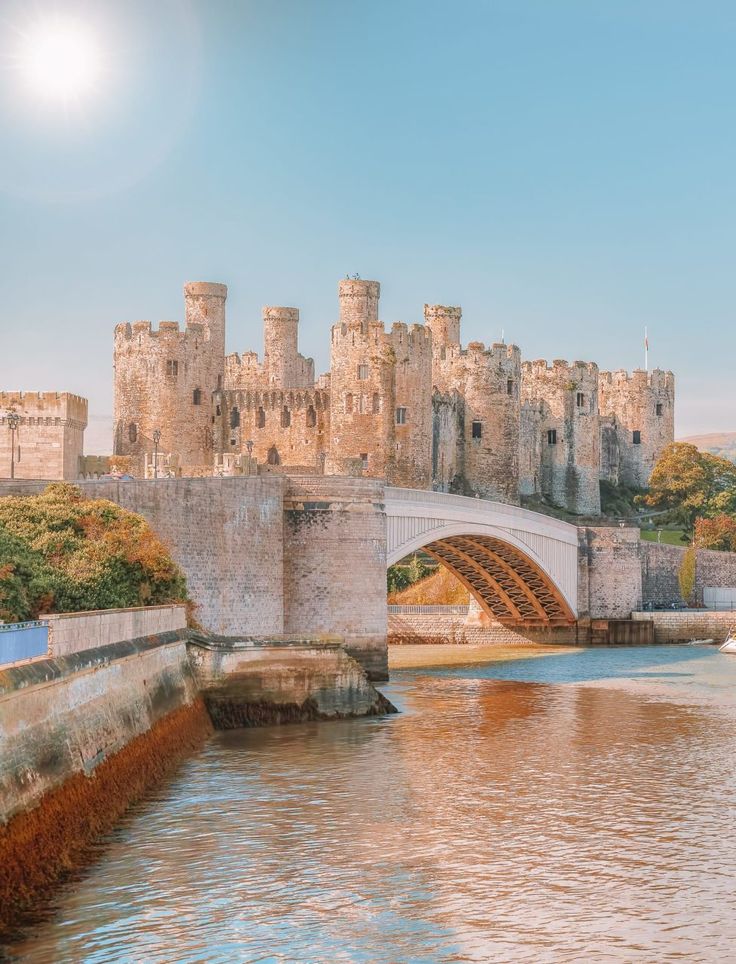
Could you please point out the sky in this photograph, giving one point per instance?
(563, 169)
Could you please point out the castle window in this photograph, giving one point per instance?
(233, 441)
(552, 436)
(376, 403)
(133, 432)
(218, 410)
(476, 430)
(197, 396)
(401, 416)
(273, 456)
(364, 460)
(234, 417)
(637, 437)
(311, 417)
(362, 372)
(580, 400)
(348, 403)
(172, 367)
(510, 386)
(260, 417)
(660, 408)
(285, 417)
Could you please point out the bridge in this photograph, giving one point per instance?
(268, 554)
(521, 566)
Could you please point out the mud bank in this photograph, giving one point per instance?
(40, 847)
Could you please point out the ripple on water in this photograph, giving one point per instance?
(506, 819)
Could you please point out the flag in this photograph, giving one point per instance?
(646, 341)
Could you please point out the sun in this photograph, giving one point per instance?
(60, 60)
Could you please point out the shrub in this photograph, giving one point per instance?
(62, 552)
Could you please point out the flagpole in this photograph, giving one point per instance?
(646, 350)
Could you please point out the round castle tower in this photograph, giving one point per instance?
(164, 380)
(444, 323)
(380, 388)
(640, 412)
(561, 403)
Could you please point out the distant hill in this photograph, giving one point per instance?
(718, 443)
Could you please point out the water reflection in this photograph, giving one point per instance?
(494, 820)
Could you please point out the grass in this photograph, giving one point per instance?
(670, 537)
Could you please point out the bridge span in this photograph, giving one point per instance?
(521, 566)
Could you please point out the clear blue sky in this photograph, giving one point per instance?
(563, 169)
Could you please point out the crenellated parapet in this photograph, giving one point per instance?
(46, 439)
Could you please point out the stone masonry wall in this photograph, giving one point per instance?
(688, 624)
(335, 564)
(49, 440)
(642, 407)
(612, 586)
(661, 565)
(287, 428)
(164, 380)
(570, 465)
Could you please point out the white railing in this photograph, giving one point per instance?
(427, 610)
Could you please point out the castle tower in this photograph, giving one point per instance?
(164, 380)
(281, 339)
(561, 403)
(380, 390)
(639, 413)
(444, 323)
(358, 300)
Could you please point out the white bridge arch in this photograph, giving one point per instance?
(521, 566)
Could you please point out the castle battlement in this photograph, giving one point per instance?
(541, 368)
(168, 331)
(658, 379)
(37, 407)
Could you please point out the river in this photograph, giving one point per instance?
(574, 807)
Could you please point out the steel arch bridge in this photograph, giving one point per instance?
(521, 566)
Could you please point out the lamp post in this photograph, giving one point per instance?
(156, 440)
(13, 423)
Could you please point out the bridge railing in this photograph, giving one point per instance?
(22, 641)
(417, 610)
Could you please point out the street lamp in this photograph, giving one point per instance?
(13, 423)
(156, 440)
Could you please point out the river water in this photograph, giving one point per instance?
(577, 807)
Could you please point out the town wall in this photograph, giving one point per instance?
(688, 624)
(570, 448)
(49, 440)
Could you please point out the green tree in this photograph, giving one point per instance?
(689, 484)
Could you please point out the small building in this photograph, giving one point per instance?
(41, 435)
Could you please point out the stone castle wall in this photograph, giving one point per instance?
(49, 440)
(563, 406)
(407, 403)
(638, 411)
(164, 380)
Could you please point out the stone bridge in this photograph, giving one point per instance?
(521, 566)
(272, 555)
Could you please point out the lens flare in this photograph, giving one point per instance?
(60, 60)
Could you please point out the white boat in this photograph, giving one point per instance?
(730, 645)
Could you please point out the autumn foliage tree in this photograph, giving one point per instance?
(716, 533)
(62, 552)
(691, 484)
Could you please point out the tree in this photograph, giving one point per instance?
(690, 483)
(686, 574)
(716, 533)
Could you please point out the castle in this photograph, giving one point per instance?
(408, 404)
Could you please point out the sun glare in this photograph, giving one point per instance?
(60, 60)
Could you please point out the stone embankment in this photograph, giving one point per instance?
(87, 729)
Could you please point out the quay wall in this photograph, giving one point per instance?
(661, 565)
(684, 625)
